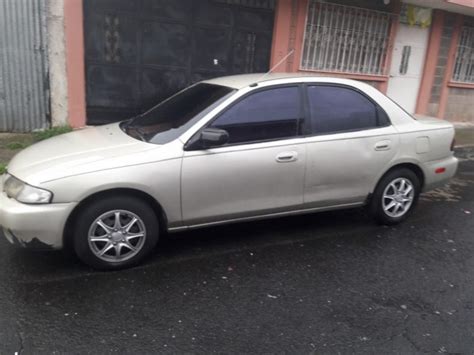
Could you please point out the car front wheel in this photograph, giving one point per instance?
(395, 196)
(115, 233)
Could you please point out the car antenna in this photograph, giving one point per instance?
(274, 67)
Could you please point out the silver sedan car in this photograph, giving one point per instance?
(225, 150)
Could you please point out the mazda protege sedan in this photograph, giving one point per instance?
(225, 150)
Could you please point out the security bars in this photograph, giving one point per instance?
(464, 64)
(346, 39)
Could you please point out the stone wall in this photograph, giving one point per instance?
(57, 63)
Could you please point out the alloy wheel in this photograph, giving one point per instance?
(117, 236)
(398, 197)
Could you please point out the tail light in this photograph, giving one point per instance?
(453, 144)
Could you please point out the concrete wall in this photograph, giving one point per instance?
(460, 105)
(57, 63)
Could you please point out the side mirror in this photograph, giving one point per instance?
(213, 137)
(208, 138)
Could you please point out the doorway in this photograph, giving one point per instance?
(407, 65)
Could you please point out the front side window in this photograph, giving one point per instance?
(337, 109)
(262, 116)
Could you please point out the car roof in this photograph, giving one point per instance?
(244, 80)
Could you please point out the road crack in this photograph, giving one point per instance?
(20, 338)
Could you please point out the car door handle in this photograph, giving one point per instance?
(382, 145)
(287, 157)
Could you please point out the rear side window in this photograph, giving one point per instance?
(337, 109)
(262, 116)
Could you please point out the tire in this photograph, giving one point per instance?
(394, 186)
(115, 233)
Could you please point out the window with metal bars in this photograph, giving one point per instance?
(346, 39)
(464, 64)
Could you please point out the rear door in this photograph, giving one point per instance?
(259, 171)
(351, 143)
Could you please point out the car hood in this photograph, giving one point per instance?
(78, 152)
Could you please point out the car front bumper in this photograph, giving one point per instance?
(33, 226)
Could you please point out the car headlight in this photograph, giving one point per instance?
(22, 192)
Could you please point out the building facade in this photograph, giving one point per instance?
(111, 59)
(420, 53)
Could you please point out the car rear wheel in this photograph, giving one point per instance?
(395, 196)
(115, 233)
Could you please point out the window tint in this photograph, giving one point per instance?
(265, 115)
(382, 117)
(336, 109)
(172, 117)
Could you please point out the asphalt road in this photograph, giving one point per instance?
(323, 283)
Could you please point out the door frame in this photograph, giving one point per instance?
(310, 125)
(298, 139)
(392, 77)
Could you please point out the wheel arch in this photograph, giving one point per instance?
(152, 202)
(407, 165)
(404, 164)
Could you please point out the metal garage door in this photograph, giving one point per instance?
(24, 80)
(140, 52)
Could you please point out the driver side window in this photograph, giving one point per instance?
(266, 115)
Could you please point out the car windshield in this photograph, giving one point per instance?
(172, 117)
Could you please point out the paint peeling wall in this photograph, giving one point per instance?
(57, 63)
(24, 84)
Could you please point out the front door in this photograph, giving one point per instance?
(261, 168)
(407, 65)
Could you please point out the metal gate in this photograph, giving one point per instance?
(24, 94)
(140, 52)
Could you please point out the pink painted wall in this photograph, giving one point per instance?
(467, 3)
(74, 33)
(431, 61)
